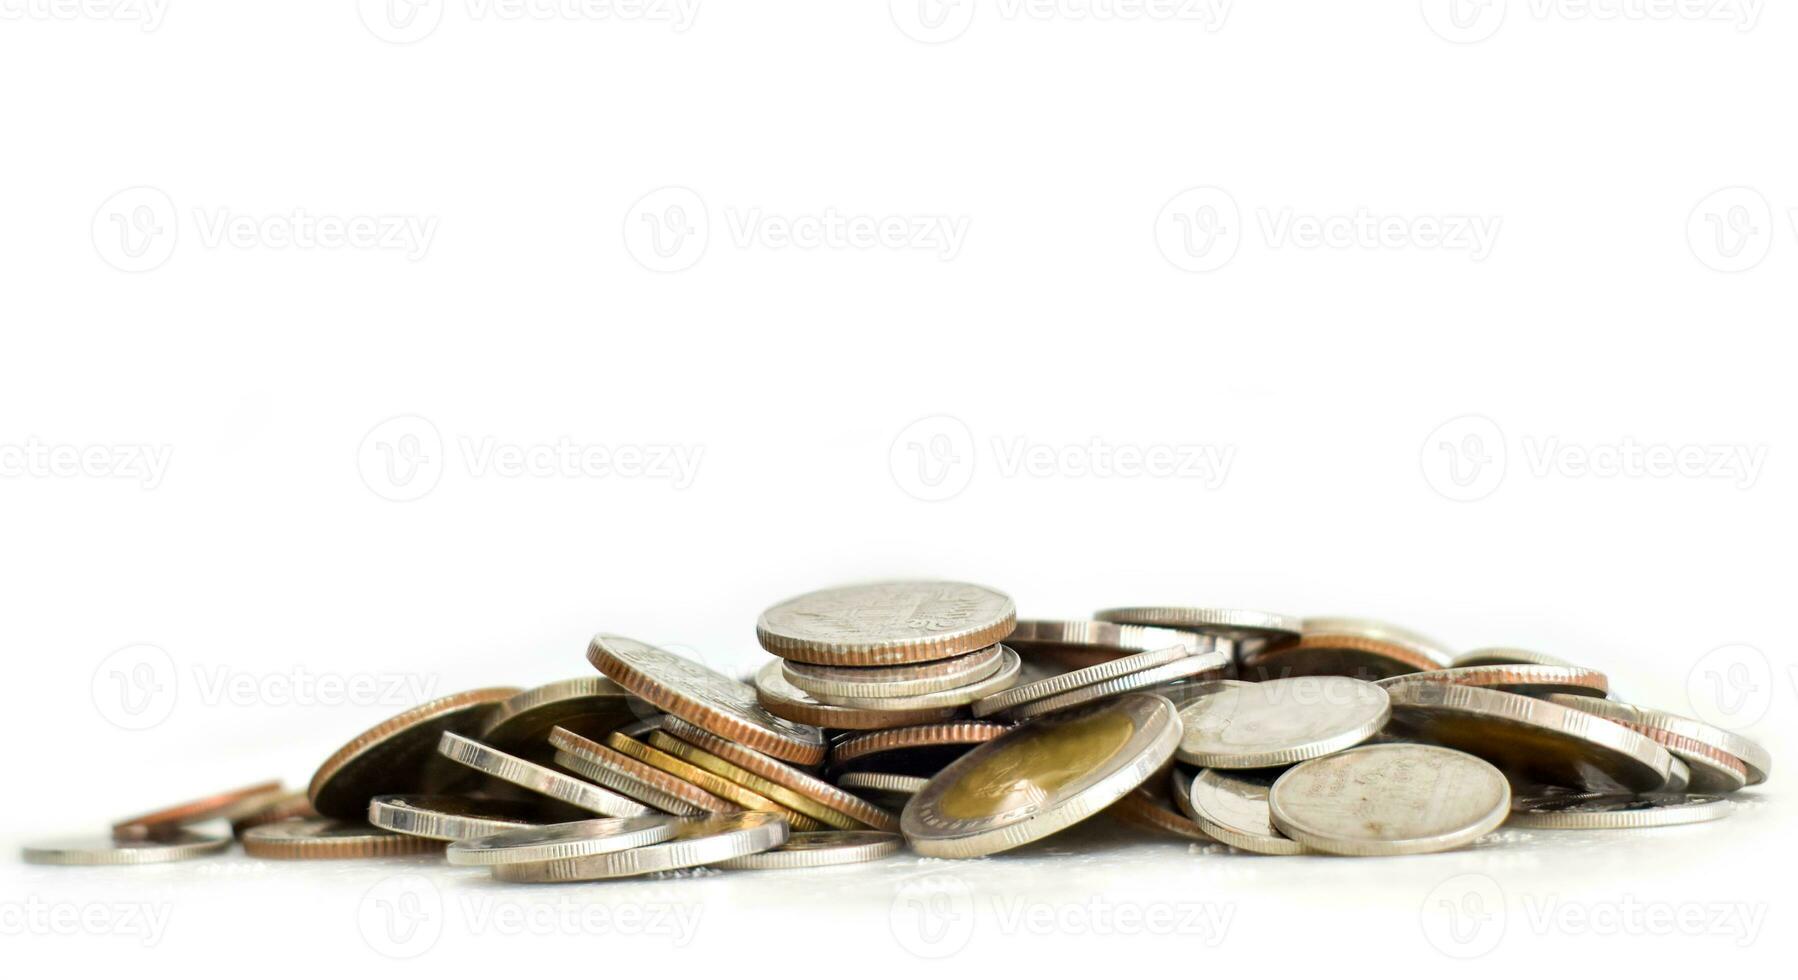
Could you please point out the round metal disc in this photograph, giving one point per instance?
(1500, 656)
(893, 682)
(1390, 799)
(1535, 680)
(449, 817)
(400, 755)
(329, 840)
(1125, 654)
(787, 701)
(885, 623)
(177, 845)
(1357, 648)
(1591, 811)
(998, 680)
(884, 782)
(552, 783)
(1719, 758)
(230, 805)
(695, 842)
(1232, 808)
(591, 706)
(956, 736)
(1184, 670)
(821, 849)
(1151, 807)
(805, 784)
(1248, 630)
(562, 841)
(739, 795)
(1278, 723)
(1076, 644)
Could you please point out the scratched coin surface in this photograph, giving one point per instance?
(820, 849)
(929, 677)
(175, 845)
(330, 840)
(1718, 758)
(450, 817)
(1280, 722)
(885, 623)
(561, 841)
(553, 783)
(1595, 811)
(695, 843)
(1536, 680)
(1042, 777)
(1359, 648)
(1390, 799)
(230, 805)
(787, 701)
(1232, 807)
(696, 693)
(400, 754)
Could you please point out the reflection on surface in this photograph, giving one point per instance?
(1025, 771)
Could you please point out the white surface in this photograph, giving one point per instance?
(268, 551)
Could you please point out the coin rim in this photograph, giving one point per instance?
(880, 653)
(356, 748)
(537, 778)
(1182, 669)
(1318, 840)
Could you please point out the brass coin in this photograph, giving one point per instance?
(694, 755)
(229, 805)
(709, 781)
(324, 839)
(638, 780)
(885, 623)
(789, 702)
(400, 754)
(810, 787)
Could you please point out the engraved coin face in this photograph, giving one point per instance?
(886, 623)
(1232, 807)
(1280, 722)
(1041, 777)
(1390, 799)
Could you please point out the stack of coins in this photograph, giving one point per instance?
(925, 714)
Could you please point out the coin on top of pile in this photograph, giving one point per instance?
(884, 623)
(1119, 659)
(904, 680)
(700, 695)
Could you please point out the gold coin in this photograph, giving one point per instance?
(773, 770)
(743, 777)
(710, 782)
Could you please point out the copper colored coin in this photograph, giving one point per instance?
(1535, 680)
(784, 775)
(589, 706)
(950, 733)
(288, 806)
(780, 697)
(636, 779)
(229, 805)
(694, 755)
(294, 840)
(1708, 769)
(1152, 806)
(1363, 649)
(1712, 741)
(400, 754)
(719, 786)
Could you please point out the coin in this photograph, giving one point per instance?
(563, 841)
(695, 842)
(999, 680)
(326, 839)
(1358, 648)
(1249, 631)
(1042, 777)
(885, 623)
(810, 787)
(1536, 680)
(1720, 759)
(400, 754)
(538, 778)
(1390, 799)
(589, 706)
(954, 734)
(449, 817)
(1280, 722)
(787, 798)
(1679, 777)
(1232, 807)
(175, 845)
(818, 850)
(229, 805)
(1535, 740)
(287, 806)
(1118, 665)
(787, 701)
(1593, 811)
(892, 784)
(1207, 665)
(1150, 807)
(892, 682)
(633, 778)
(711, 782)
(1074, 644)
(1499, 656)
(706, 698)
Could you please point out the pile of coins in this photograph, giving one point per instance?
(926, 715)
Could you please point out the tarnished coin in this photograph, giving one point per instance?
(449, 817)
(590, 706)
(1118, 662)
(1720, 759)
(708, 699)
(291, 805)
(998, 680)
(1594, 811)
(711, 782)
(1535, 680)
(781, 774)
(1500, 656)
(1534, 740)
(905, 680)
(229, 805)
(1249, 631)
(1357, 648)
(329, 840)
(1199, 666)
(1278, 723)
(954, 735)
(400, 754)
(1076, 644)
(1042, 777)
(818, 850)
(695, 843)
(635, 779)
(537, 778)
(1390, 799)
(1232, 807)
(563, 841)
(789, 702)
(176, 845)
(885, 623)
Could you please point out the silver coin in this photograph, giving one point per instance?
(449, 817)
(1232, 807)
(820, 849)
(563, 841)
(1679, 778)
(883, 782)
(884, 623)
(999, 680)
(1041, 777)
(538, 778)
(1280, 722)
(1153, 680)
(1360, 648)
(822, 681)
(1247, 630)
(695, 843)
(1500, 656)
(1072, 633)
(788, 701)
(627, 784)
(1071, 644)
(1720, 759)
(178, 845)
(1593, 811)
(590, 706)
(1390, 799)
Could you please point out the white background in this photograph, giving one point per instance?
(1076, 357)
